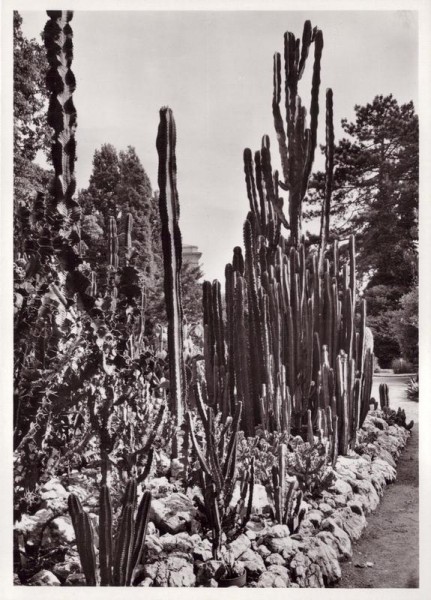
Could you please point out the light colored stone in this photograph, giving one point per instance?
(153, 547)
(306, 573)
(386, 469)
(326, 509)
(352, 523)
(326, 557)
(261, 503)
(275, 559)
(173, 513)
(239, 546)
(63, 528)
(44, 577)
(338, 538)
(202, 548)
(277, 531)
(174, 571)
(284, 546)
(315, 517)
(370, 497)
(52, 489)
(341, 487)
(276, 576)
(263, 550)
(253, 563)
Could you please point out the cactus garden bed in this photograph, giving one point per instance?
(247, 457)
(178, 554)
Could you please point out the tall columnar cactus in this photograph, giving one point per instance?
(62, 113)
(172, 258)
(119, 557)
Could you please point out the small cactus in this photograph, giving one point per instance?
(117, 558)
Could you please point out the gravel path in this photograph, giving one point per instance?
(390, 544)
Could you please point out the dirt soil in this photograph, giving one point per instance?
(390, 544)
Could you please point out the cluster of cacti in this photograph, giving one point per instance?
(218, 475)
(118, 557)
(286, 499)
(73, 317)
(172, 259)
(289, 343)
(392, 417)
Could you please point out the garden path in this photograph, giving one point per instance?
(390, 544)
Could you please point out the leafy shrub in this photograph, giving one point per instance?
(386, 346)
(400, 366)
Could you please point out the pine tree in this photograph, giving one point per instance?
(376, 197)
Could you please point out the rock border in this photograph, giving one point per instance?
(178, 556)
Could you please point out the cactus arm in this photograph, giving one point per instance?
(199, 453)
(329, 174)
(105, 537)
(84, 539)
(141, 525)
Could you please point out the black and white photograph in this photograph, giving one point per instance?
(211, 220)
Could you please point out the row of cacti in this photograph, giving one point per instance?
(119, 554)
(289, 342)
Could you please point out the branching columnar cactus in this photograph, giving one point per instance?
(219, 476)
(290, 343)
(117, 558)
(172, 259)
(297, 143)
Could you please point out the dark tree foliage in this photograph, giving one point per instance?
(31, 132)
(376, 189)
(119, 185)
(191, 292)
(376, 197)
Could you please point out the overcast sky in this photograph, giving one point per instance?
(214, 69)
